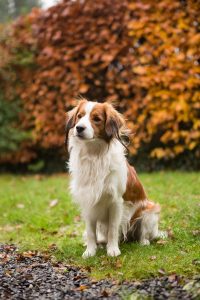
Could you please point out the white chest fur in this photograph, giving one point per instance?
(98, 172)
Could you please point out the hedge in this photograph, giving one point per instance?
(142, 55)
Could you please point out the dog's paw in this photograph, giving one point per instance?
(89, 253)
(113, 251)
(145, 242)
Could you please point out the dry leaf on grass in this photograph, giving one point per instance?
(77, 218)
(172, 277)
(118, 263)
(20, 205)
(161, 242)
(82, 287)
(53, 203)
(170, 233)
(38, 177)
(161, 271)
(29, 254)
(10, 228)
(72, 234)
(120, 273)
(52, 247)
(196, 232)
(153, 257)
(89, 269)
(104, 293)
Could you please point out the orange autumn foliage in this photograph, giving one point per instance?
(142, 55)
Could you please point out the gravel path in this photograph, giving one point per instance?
(31, 276)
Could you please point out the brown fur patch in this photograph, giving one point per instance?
(114, 123)
(98, 120)
(80, 112)
(135, 193)
(134, 189)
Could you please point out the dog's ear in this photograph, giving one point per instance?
(114, 122)
(70, 123)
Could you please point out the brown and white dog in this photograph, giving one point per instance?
(113, 202)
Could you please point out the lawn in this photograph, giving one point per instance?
(37, 213)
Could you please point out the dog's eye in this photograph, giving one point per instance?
(96, 119)
(79, 116)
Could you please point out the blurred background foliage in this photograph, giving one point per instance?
(142, 55)
(11, 135)
(11, 9)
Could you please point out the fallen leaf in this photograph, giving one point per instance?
(196, 262)
(53, 203)
(161, 242)
(161, 271)
(77, 277)
(104, 263)
(10, 228)
(82, 287)
(196, 232)
(104, 293)
(72, 234)
(38, 177)
(153, 257)
(46, 256)
(8, 273)
(172, 277)
(188, 286)
(52, 247)
(183, 252)
(63, 229)
(88, 269)
(170, 233)
(29, 254)
(137, 283)
(9, 248)
(20, 205)
(77, 219)
(120, 273)
(118, 263)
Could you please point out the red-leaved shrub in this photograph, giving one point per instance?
(142, 55)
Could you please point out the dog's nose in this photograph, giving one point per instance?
(80, 129)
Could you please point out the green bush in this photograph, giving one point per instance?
(10, 136)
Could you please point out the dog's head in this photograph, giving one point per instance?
(89, 121)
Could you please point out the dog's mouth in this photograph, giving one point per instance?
(79, 135)
(82, 137)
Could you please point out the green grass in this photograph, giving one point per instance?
(26, 219)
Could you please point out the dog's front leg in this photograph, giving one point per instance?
(115, 215)
(91, 239)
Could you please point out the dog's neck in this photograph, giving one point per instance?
(94, 148)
